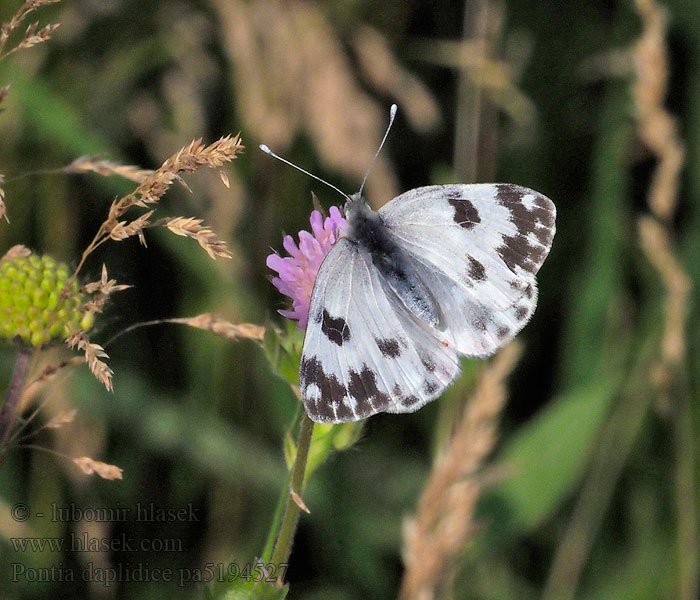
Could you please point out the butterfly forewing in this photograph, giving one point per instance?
(483, 227)
(478, 248)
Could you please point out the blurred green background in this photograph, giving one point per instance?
(602, 501)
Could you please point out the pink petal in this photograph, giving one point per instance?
(316, 220)
(297, 272)
(289, 245)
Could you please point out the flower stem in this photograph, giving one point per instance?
(274, 531)
(9, 408)
(283, 545)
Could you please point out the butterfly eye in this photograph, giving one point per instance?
(351, 205)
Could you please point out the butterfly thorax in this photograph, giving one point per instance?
(367, 229)
(365, 226)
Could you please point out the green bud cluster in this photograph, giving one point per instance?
(38, 301)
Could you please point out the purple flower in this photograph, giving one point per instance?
(298, 271)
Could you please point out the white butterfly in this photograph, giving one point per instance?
(438, 272)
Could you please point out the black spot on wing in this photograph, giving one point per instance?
(521, 312)
(524, 287)
(363, 387)
(544, 235)
(476, 270)
(410, 401)
(479, 323)
(407, 401)
(430, 387)
(536, 218)
(331, 390)
(388, 347)
(466, 215)
(335, 329)
(502, 332)
(428, 363)
(344, 412)
(541, 213)
(517, 251)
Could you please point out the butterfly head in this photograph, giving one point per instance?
(353, 202)
(356, 208)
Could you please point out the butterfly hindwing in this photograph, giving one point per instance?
(363, 351)
(477, 248)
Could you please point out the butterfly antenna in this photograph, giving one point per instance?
(266, 150)
(392, 114)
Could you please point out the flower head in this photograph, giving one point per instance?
(298, 271)
(39, 302)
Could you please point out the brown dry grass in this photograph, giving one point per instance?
(192, 228)
(207, 322)
(99, 292)
(89, 467)
(292, 75)
(659, 250)
(152, 187)
(3, 210)
(93, 164)
(438, 534)
(658, 130)
(93, 355)
(656, 127)
(33, 35)
(222, 327)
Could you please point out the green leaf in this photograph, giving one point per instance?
(283, 350)
(290, 449)
(326, 438)
(596, 288)
(347, 434)
(54, 118)
(243, 588)
(645, 572)
(549, 454)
